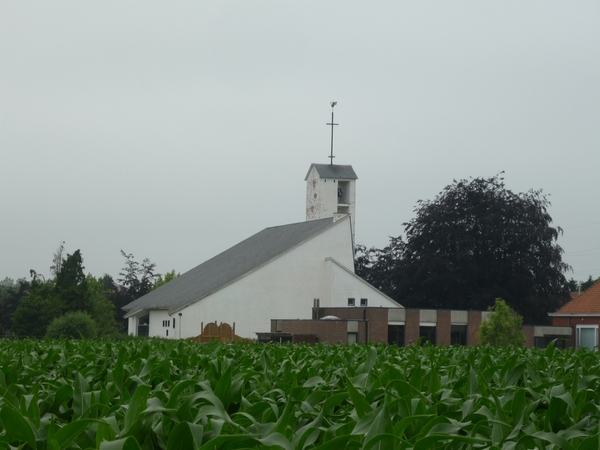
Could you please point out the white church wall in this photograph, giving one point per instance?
(345, 285)
(156, 327)
(283, 288)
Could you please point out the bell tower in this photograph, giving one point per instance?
(331, 192)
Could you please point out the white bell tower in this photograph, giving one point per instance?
(331, 192)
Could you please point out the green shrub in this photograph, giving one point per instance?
(73, 325)
(502, 326)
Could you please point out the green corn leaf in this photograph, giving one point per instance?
(283, 421)
(185, 436)
(382, 441)
(223, 388)
(429, 442)
(590, 443)
(276, 439)
(105, 432)
(63, 395)
(137, 404)
(177, 390)
(80, 400)
(231, 441)
(400, 427)
(346, 442)
(18, 426)
(313, 382)
(554, 439)
(382, 425)
(69, 432)
(367, 366)
(128, 443)
(361, 405)
(51, 441)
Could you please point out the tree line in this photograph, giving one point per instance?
(27, 308)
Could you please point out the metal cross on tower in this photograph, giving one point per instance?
(332, 124)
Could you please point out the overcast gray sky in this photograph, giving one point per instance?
(173, 130)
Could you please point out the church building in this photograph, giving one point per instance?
(282, 271)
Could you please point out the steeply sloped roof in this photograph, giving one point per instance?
(333, 171)
(223, 269)
(587, 303)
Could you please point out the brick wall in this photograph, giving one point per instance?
(444, 327)
(473, 327)
(528, 331)
(411, 327)
(378, 325)
(356, 313)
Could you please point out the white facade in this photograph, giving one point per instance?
(330, 197)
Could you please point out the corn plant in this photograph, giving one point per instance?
(182, 395)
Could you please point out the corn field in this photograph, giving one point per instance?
(158, 394)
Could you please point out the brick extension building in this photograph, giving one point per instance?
(398, 327)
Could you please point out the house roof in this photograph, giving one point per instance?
(586, 303)
(227, 267)
(333, 171)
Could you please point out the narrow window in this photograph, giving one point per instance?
(167, 332)
(173, 322)
(428, 334)
(350, 302)
(363, 302)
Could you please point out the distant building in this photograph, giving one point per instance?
(582, 316)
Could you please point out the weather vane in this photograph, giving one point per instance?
(332, 124)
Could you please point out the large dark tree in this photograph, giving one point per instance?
(475, 242)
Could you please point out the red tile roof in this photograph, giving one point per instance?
(587, 303)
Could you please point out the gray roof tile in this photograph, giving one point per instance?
(334, 171)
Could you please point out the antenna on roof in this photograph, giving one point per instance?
(332, 124)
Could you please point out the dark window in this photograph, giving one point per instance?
(167, 332)
(143, 325)
(173, 322)
(428, 334)
(350, 302)
(539, 342)
(458, 335)
(396, 335)
(363, 302)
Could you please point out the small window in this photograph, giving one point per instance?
(173, 322)
(167, 332)
(363, 302)
(350, 302)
